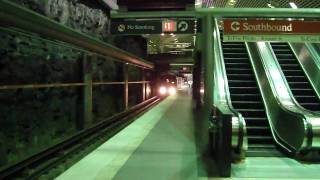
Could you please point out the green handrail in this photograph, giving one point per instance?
(225, 12)
(261, 12)
(282, 109)
(222, 99)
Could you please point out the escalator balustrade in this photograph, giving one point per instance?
(296, 78)
(247, 100)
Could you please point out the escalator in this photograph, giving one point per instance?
(296, 78)
(247, 100)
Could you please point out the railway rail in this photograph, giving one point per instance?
(56, 159)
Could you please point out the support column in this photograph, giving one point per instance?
(208, 24)
(87, 91)
(143, 85)
(126, 86)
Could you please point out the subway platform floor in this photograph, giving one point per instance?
(169, 142)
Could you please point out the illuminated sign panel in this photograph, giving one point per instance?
(271, 30)
(155, 26)
(169, 26)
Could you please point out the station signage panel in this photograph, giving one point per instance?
(143, 26)
(169, 26)
(271, 30)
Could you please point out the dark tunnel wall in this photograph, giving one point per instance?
(34, 119)
(89, 17)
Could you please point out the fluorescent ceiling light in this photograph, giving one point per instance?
(293, 5)
(198, 3)
(181, 64)
(112, 4)
(270, 6)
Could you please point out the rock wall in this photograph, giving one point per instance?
(85, 16)
(35, 119)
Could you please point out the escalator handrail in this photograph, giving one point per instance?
(312, 118)
(288, 109)
(266, 88)
(222, 98)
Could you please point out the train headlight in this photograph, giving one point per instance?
(163, 90)
(172, 91)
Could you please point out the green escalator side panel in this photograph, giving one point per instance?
(287, 127)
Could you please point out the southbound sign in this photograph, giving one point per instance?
(271, 30)
(136, 26)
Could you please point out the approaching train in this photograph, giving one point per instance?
(167, 84)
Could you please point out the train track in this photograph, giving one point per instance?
(51, 162)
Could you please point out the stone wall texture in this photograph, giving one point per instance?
(35, 119)
(85, 16)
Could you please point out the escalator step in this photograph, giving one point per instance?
(247, 104)
(311, 104)
(305, 98)
(233, 71)
(293, 73)
(227, 55)
(240, 76)
(302, 91)
(243, 90)
(252, 112)
(266, 146)
(260, 140)
(298, 84)
(241, 83)
(286, 56)
(233, 50)
(289, 66)
(233, 64)
(283, 50)
(280, 46)
(296, 78)
(258, 130)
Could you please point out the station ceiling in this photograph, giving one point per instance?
(263, 3)
(184, 44)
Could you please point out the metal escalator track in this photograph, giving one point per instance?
(247, 100)
(296, 78)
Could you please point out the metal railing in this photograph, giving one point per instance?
(225, 12)
(20, 21)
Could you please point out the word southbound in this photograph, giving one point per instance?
(271, 30)
(262, 27)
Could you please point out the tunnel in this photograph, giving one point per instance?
(168, 90)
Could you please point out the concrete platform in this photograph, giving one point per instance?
(169, 143)
(158, 145)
